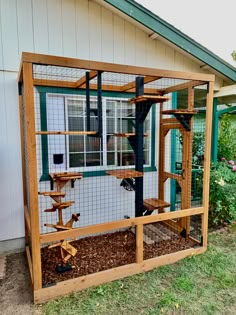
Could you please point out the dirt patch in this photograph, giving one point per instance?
(15, 288)
(98, 253)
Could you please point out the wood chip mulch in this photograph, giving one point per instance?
(102, 252)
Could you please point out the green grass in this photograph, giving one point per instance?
(203, 284)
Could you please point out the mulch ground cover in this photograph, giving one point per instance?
(102, 252)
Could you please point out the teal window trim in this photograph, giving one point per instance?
(43, 91)
(173, 157)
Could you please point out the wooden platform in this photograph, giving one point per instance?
(179, 112)
(120, 174)
(149, 98)
(154, 203)
(65, 176)
(52, 193)
(72, 133)
(60, 206)
(128, 134)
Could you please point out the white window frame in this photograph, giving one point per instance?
(67, 98)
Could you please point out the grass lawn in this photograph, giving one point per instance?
(204, 284)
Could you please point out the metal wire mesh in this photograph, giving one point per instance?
(102, 158)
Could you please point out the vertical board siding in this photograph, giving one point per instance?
(107, 36)
(69, 27)
(9, 35)
(150, 52)
(55, 34)
(40, 26)
(140, 48)
(119, 44)
(129, 38)
(4, 179)
(25, 25)
(82, 29)
(95, 32)
(1, 47)
(10, 160)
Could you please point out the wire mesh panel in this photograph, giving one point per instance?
(116, 153)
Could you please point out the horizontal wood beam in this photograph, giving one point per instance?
(82, 81)
(99, 228)
(105, 87)
(132, 84)
(84, 282)
(110, 67)
(54, 83)
(181, 86)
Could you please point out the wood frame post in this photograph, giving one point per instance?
(207, 161)
(187, 164)
(32, 173)
(139, 243)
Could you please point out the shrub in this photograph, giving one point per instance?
(222, 199)
(227, 139)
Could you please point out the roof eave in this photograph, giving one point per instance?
(173, 35)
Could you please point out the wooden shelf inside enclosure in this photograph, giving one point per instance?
(52, 193)
(149, 98)
(65, 176)
(179, 112)
(127, 134)
(72, 133)
(120, 174)
(154, 203)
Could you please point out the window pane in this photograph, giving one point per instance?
(110, 125)
(76, 143)
(92, 143)
(75, 124)
(93, 159)
(146, 156)
(111, 158)
(110, 143)
(76, 160)
(126, 158)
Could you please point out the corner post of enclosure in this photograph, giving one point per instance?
(207, 161)
(32, 172)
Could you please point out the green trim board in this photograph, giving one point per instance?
(173, 35)
(43, 91)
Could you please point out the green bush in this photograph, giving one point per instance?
(222, 199)
(227, 139)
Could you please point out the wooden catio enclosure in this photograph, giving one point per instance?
(98, 148)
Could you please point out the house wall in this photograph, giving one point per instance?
(73, 28)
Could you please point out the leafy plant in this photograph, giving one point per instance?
(227, 139)
(222, 197)
(198, 147)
